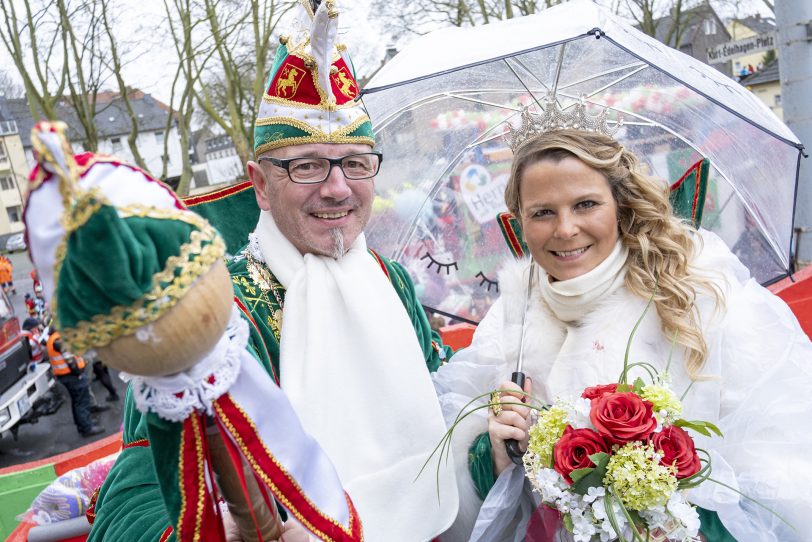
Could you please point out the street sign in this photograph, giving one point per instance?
(733, 49)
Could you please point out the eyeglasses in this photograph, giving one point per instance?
(315, 170)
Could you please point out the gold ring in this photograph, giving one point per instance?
(496, 403)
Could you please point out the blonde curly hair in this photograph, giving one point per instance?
(660, 245)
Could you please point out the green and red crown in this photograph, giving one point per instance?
(311, 95)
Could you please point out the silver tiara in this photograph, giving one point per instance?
(554, 118)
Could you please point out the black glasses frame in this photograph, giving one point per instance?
(284, 163)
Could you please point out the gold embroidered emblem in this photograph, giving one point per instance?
(288, 82)
(264, 279)
(344, 82)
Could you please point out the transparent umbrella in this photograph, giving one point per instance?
(441, 108)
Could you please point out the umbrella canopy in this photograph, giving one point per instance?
(440, 109)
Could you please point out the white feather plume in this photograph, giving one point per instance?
(323, 33)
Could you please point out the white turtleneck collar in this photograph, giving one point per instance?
(571, 299)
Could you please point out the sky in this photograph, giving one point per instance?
(364, 35)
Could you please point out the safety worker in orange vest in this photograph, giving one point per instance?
(7, 275)
(69, 371)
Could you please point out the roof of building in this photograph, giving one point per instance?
(768, 74)
(5, 112)
(692, 18)
(111, 117)
(757, 23)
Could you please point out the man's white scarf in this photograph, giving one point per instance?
(353, 370)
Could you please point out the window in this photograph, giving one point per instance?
(6, 183)
(709, 26)
(2, 150)
(159, 137)
(13, 213)
(777, 100)
(116, 143)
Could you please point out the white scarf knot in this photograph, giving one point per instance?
(572, 299)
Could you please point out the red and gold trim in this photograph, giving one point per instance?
(698, 178)
(165, 535)
(136, 444)
(511, 236)
(244, 310)
(380, 262)
(197, 516)
(91, 508)
(216, 195)
(276, 478)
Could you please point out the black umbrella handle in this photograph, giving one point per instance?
(512, 445)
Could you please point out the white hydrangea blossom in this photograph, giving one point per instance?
(607, 532)
(578, 413)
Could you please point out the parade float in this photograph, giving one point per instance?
(732, 166)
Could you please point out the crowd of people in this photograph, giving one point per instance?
(73, 372)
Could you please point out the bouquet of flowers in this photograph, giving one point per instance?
(616, 462)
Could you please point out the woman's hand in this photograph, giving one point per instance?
(512, 422)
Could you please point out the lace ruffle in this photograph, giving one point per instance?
(176, 396)
(253, 247)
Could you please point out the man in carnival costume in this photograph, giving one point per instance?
(355, 347)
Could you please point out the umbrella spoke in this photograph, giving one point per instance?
(519, 79)
(518, 61)
(636, 67)
(609, 85)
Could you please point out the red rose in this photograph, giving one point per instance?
(678, 450)
(622, 417)
(597, 391)
(573, 449)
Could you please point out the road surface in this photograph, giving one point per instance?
(56, 433)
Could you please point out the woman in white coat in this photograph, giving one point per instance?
(605, 239)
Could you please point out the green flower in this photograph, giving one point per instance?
(545, 433)
(663, 399)
(635, 473)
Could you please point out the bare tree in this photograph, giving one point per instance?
(84, 53)
(182, 24)
(9, 87)
(666, 19)
(32, 40)
(236, 81)
(421, 16)
(116, 66)
(56, 46)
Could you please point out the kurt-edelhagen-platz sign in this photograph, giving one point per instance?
(732, 49)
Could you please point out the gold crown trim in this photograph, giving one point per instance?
(553, 117)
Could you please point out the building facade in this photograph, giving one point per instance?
(113, 128)
(766, 85)
(13, 175)
(749, 27)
